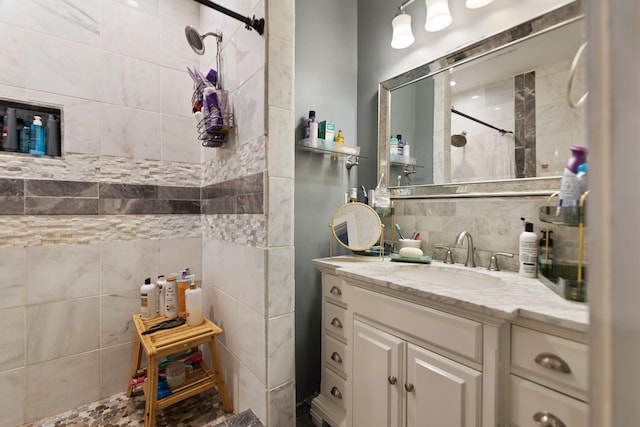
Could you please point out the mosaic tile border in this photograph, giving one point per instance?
(57, 197)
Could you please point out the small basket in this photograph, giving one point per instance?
(214, 128)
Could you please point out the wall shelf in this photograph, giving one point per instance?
(323, 146)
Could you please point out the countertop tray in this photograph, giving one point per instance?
(422, 260)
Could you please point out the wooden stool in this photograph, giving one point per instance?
(162, 343)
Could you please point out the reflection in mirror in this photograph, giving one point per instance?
(356, 226)
(513, 118)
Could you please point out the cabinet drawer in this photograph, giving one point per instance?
(554, 361)
(335, 320)
(335, 354)
(530, 402)
(452, 333)
(335, 388)
(333, 288)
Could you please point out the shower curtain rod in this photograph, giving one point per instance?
(502, 131)
(256, 24)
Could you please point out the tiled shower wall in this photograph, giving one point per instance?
(71, 276)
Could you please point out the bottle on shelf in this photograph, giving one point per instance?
(148, 299)
(545, 255)
(37, 137)
(569, 185)
(307, 122)
(400, 145)
(193, 299)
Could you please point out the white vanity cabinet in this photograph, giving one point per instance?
(397, 383)
(549, 375)
(332, 404)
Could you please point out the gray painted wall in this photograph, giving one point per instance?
(326, 75)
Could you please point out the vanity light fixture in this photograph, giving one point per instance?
(476, 4)
(438, 18)
(438, 15)
(402, 34)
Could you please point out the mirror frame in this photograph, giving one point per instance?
(364, 208)
(516, 187)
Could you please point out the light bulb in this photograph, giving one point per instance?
(438, 15)
(402, 34)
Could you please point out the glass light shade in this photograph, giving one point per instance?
(402, 34)
(438, 15)
(476, 4)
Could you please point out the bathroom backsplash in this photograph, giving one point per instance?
(494, 224)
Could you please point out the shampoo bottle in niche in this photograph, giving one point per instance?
(171, 298)
(528, 249)
(148, 299)
(193, 298)
(569, 185)
(37, 136)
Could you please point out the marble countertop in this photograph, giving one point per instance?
(500, 294)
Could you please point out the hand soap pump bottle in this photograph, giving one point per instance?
(545, 256)
(528, 251)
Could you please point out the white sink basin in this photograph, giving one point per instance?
(438, 275)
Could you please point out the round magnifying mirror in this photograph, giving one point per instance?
(356, 226)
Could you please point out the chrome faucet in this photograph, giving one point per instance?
(470, 262)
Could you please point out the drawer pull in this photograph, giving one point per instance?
(336, 393)
(392, 380)
(335, 290)
(336, 323)
(408, 387)
(553, 362)
(547, 419)
(336, 357)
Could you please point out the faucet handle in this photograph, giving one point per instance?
(448, 257)
(493, 263)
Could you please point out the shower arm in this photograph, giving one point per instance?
(256, 24)
(502, 131)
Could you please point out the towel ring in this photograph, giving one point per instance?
(572, 75)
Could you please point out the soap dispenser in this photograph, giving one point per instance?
(545, 255)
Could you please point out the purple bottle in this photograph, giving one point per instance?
(311, 118)
(570, 189)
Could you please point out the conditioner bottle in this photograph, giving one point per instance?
(148, 300)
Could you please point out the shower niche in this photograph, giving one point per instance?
(30, 129)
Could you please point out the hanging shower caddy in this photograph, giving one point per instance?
(212, 102)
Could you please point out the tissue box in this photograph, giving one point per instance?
(327, 130)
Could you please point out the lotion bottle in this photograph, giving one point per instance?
(193, 299)
(528, 249)
(148, 299)
(171, 298)
(161, 285)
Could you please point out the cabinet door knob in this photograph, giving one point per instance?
(553, 362)
(547, 419)
(336, 393)
(335, 290)
(336, 322)
(392, 380)
(408, 387)
(336, 357)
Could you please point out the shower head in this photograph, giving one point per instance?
(196, 41)
(459, 140)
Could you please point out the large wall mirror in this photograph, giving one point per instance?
(494, 111)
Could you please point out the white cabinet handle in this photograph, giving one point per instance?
(336, 323)
(408, 387)
(336, 357)
(392, 380)
(336, 393)
(335, 290)
(553, 362)
(547, 419)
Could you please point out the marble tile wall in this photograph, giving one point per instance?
(525, 124)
